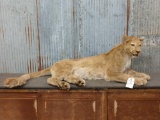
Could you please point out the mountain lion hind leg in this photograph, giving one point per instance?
(75, 80)
(59, 83)
(62, 75)
(63, 82)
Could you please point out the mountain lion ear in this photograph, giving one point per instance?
(124, 38)
(141, 39)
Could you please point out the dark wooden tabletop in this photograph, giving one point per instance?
(41, 83)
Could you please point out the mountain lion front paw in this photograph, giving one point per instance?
(140, 81)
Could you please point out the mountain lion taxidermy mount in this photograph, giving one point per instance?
(113, 65)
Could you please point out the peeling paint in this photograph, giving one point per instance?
(45, 105)
(115, 108)
(94, 106)
(35, 105)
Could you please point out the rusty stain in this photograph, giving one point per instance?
(75, 34)
(128, 15)
(28, 69)
(31, 30)
(44, 62)
(30, 66)
(38, 37)
(94, 106)
(29, 36)
(115, 108)
(28, 33)
(47, 60)
(42, 59)
(73, 9)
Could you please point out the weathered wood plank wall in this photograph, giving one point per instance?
(34, 34)
(19, 48)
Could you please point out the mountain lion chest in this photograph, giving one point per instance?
(127, 64)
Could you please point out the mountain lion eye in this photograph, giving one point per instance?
(132, 45)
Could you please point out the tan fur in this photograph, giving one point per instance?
(113, 65)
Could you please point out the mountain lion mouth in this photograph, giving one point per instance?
(134, 54)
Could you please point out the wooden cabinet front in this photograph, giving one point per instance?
(80, 105)
(53, 105)
(137, 105)
(72, 106)
(18, 106)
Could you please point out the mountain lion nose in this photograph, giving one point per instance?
(138, 51)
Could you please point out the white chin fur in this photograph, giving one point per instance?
(134, 56)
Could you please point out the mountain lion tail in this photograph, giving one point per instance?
(19, 81)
